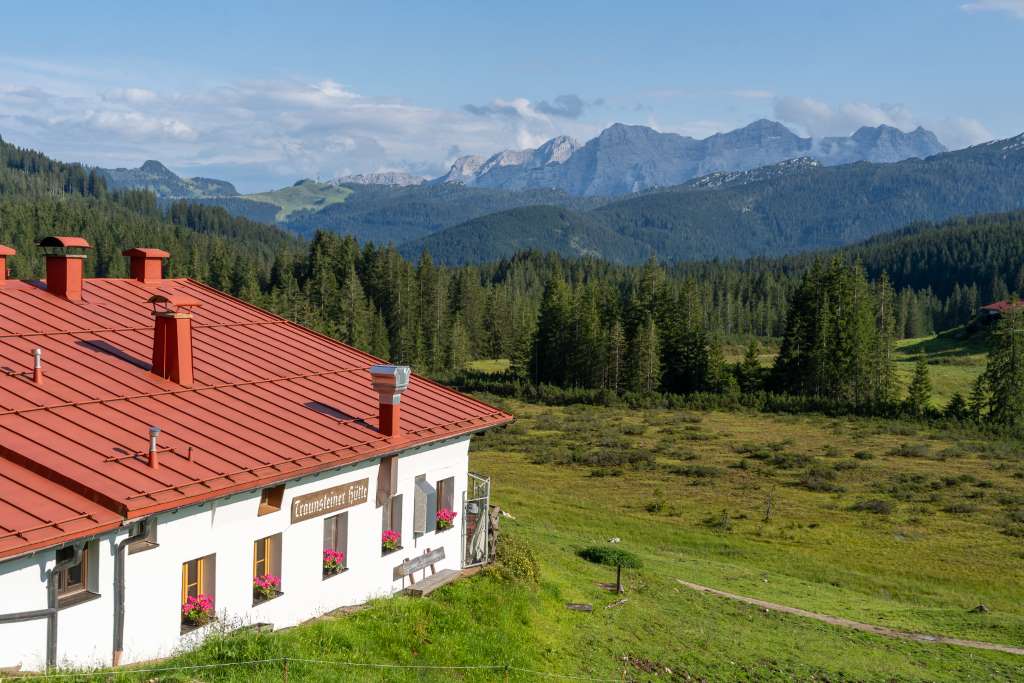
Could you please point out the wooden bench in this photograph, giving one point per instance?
(427, 584)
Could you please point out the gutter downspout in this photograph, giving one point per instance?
(119, 595)
(51, 604)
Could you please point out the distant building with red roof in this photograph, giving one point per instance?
(994, 311)
(165, 445)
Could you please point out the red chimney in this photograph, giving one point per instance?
(172, 337)
(64, 269)
(146, 265)
(389, 381)
(4, 253)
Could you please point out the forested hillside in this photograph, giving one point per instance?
(39, 197)
(393, 214)
(816, 208)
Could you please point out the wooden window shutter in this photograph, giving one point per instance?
(387, 479)
(421, 500)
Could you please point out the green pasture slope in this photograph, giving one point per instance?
(305, 194)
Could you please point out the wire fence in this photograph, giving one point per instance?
(285, 670)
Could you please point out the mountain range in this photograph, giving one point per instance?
(805, 201)
(621, 160)
(786, 208)
(627, 159)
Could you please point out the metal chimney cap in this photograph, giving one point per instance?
(390, 379)
(154, 431)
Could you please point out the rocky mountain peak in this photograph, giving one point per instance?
(155, 167)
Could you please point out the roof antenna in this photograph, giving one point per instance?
(154, 457)
(37, 366)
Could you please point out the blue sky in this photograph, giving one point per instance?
(263, 94)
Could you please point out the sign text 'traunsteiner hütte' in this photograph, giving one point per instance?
(329, 500)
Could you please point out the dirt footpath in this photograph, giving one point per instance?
(846, 623)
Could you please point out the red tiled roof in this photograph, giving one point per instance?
(35, 514)
(271, 400)
(1003, 306)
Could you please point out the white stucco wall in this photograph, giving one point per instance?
(227, 528)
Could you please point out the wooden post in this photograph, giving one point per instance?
(618, 579)
(284, 676)
(506, 673)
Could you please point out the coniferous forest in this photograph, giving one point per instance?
(579, 324)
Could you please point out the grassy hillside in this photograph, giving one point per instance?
(304, 195)
(871, 520)
(954, 363)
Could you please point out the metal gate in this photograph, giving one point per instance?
(475, 521)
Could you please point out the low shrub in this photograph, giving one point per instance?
(790, 461)
(875, 505)
(697, 471)
(820, 480)
(514, 559)
(610, 556)
(907, 450)
(960, 508)
(607, 472)
(720, 522)
(864, 455)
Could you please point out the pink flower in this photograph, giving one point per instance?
(266, 586)
(333, 560)
(390, 540)
(197, 609)
(445, 517)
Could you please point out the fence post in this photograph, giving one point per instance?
(284, 673)
(506, 673)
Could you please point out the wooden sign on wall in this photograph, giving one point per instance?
(329, 500)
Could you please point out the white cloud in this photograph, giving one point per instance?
(961, 132)
(819, 119)
(753, 94)
(1014, 7)
(132, 95)
(265, 133)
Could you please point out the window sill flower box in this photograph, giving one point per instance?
(384, 552)
(196, 612)
(390, 541)
(445, 519)
(265, 588)
(333, 563)
(332, 574)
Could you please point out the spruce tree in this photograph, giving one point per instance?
(957, 407)
(748, 371)
(919, 394)
(645, 355)
(1004, 375)
(550, 345)
(615, 350)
